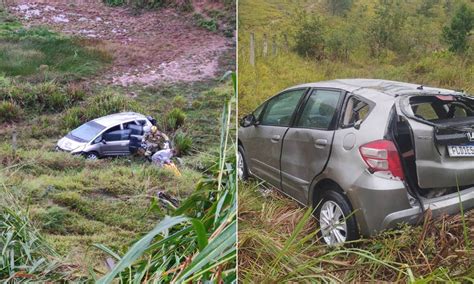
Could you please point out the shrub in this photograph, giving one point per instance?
(97, 106)
(310, 38)
(185, 6)
(203, 22)
(114, 3)
(75, 92)
(182, 142)
(175, 119)
(24, 250)
(458, 32)
(196, 105)
(9, 111)
(179, 102)
(72, 118)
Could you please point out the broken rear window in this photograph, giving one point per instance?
(440, 108)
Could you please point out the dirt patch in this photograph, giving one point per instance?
(150, 48)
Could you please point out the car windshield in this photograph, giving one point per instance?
(87, 131)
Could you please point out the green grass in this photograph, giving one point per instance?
(41, 53)
(198, 243)
(73, 203)
(278, 243)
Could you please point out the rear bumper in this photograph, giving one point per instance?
(448, 204)
(381, 203)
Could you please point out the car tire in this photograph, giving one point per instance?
(242, 170)
(334, 229)
(91, 156)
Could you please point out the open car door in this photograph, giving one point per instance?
(442, 129)
(136, 136)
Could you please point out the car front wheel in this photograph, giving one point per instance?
(337, 223)
(242, 170)
(91, 156)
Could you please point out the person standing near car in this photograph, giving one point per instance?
(155, 140)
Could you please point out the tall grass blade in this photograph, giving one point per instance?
(216, 247)
(139, 247)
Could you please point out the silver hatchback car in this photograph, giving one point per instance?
(368, 154)
(106, 136)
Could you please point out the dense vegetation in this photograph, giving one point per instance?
(59, 205)
(278, 243)
(427, 42)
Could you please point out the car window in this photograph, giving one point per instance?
(355, 110)
(425, 111)
(256, 113)
(135, 127)
(440, 107)
(87, 131)
(319, 110)
(279, 110)
(117, 135)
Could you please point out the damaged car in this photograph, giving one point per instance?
(367, 154)
(112, 135)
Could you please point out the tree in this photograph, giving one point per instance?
(341, 41)
(426, 7)
(458, 32)
(339, 7)
(385, 29)
(310, 38)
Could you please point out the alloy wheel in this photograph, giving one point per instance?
(91, 156)
(332, 223)
(240, 166)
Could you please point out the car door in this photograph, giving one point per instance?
(136, 134)
(307, 144)
(263, 146)
(116, 142)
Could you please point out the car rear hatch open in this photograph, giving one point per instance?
(442, 129)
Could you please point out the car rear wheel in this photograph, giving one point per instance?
(91, 156)
(336, 224)
(242, 170)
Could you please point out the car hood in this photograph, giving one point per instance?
(69, 145)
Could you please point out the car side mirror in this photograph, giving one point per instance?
(357, 124)
(103, 141)
(248, 120)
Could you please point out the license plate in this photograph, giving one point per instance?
(461, 151)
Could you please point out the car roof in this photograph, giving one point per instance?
(369, 86)
(117, 118)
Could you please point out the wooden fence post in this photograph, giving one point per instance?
(265, 45)
(285, 42)
(14, 141)
(252, 49)
(274, 46)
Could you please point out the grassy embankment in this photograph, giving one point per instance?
(421, 56)
(274, 246)
(47, 88)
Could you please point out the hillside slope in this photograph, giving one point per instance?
(418, 53)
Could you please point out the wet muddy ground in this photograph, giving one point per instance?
(149, 48)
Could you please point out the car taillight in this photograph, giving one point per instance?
(382, 156)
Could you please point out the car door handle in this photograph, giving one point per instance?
(320, 143)
(276, 138)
